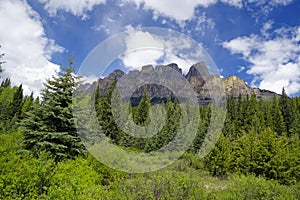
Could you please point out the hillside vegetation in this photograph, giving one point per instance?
(41, 156)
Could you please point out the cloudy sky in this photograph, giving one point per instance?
(257, 40)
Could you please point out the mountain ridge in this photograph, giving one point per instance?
(233, 85)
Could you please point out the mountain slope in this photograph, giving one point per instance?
(233, 85)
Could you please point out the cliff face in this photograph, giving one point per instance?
(233, 85)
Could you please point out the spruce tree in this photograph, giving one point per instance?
(142, 116)
(15, 109)
(27, 105)
(50, 125)
(277, 123)
(105, 115)
(286, 110)
(218, 161)
(295, 125)
(16, 105)
(5, 83)
(6, 98)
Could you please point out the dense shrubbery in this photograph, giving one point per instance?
(23, 176)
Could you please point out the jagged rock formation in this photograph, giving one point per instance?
(235, 86)
(198, 77)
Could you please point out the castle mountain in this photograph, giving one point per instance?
(233, 85)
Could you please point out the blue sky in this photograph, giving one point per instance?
(257, 40)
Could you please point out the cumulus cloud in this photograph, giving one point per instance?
(144, 48)
(271, 2)
(26, 47)
(235, 3)
(176, 9)
(77, 8)
(274, 59)
(259, 7)
(185, 10)
(136, 56)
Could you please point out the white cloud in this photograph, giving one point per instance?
(90, 79)
(281, 2)
(241, 68)
(77, 8)
(266, 28)
(271, 2)
(274, 60)
(176, 9)
(265, 6)
(101, 27)
(144, 48)
(183, 10)
(235, 3)
(26, 47)
(242, 45)
(137, 57)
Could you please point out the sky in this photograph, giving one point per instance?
(257, 40)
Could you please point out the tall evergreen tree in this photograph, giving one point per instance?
(277, 122)
(295, 125)
(286, 110)
(105, 114)
(142, 115)
(15, 109)
(50, 125)
(16, 105)
(5, 83)
(27, 105)
(218, 161)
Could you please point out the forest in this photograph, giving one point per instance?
(257, 156)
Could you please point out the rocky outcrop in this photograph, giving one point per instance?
(234, 86)
(198, 77)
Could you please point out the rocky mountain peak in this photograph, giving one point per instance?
(197, 76)
(116, 73)
(175, 67)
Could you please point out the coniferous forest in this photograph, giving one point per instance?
(41, 156)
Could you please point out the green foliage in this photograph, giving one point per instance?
(219, 160)
(50, 125)
(250, 187)
(5, 83)
(142, 117)
(24, 176)
(105, 115)
(11, 102)
(286, 110)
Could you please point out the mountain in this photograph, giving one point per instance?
(198, 78)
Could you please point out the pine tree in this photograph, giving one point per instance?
(6, 98)
(27, 105)
(295, 125)
(16, 105)
(5, 83)
(218, 161)
(15, 109)
(142, 117)
(277, 123)
(50, 125)
(105, 114)
(286, 111)
(97, 95)
(231, 119)
(240, 117)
